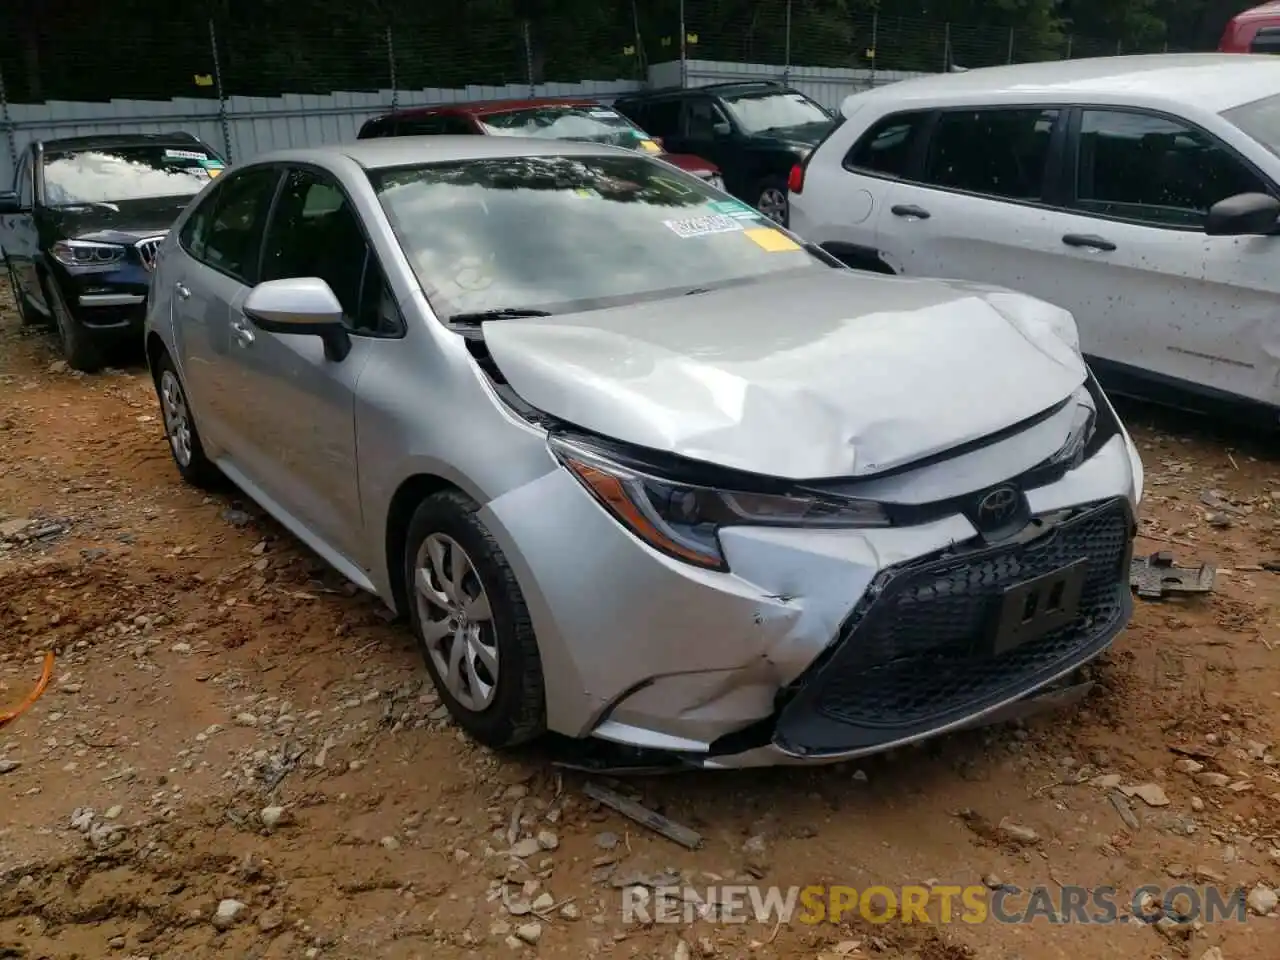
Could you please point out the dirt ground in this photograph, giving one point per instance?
(228, 721)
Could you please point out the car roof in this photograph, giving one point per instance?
(1209, 81)
(1263, 12)
(382, 152)
(728, 88)
(106, 140)
(481, 107)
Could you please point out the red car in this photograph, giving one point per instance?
(553, 119)
(1254, 31)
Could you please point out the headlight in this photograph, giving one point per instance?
(1082, 429)
(86, 253)
(683, 520)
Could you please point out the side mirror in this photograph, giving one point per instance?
(302, 306)
(9, 202)
(721, 129)
(1245, 214)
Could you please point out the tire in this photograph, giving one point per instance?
(78, 347)
(498, 711)
(772, 201)
(180, 428)
(29, 315)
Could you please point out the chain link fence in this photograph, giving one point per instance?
(321, 47)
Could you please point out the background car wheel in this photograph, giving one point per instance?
(180, 428)
(771, 200)
(30, 316)
(78, 348)
(472, 623)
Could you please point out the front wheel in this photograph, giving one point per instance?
(771, 200)
(472, 624)
(78, 348)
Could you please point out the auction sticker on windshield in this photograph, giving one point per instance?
(703, 226)
(774, 241)
(650, 146)
(185, 155)
(736, 209)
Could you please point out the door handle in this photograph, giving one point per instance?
(244, 336)
(1090, 240)
(909, 210)
(181, 290)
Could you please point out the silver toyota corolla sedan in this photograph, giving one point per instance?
(635, 463)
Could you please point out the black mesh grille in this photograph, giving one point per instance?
(914, 653)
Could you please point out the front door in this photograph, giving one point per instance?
(18, 235)
(1150, 290)
(298, 405)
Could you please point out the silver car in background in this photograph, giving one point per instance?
(634, 462)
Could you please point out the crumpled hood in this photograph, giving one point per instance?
(830, 373)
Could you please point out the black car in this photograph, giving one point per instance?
(83, 223)
(755, 132)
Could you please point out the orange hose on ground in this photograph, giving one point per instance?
(9, 716)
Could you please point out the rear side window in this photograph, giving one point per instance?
(885, 149)
(660, 118)
(1266, 40)
(432, 126)
(996, 153)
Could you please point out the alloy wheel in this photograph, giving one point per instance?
(773, 204)
(457, 621)
(177, 421)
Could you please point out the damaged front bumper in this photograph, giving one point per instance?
(925, 652)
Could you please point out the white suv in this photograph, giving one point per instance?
(1137, 192)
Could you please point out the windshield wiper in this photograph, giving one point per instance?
(498, 313)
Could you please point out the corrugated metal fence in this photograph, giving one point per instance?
(246, 126)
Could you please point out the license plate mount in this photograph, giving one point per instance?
(1028, 610)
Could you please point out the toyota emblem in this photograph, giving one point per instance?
(997, 508)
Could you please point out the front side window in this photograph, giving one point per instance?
(590, 123)
(225, 230)
(315, 233)
(118, 174)
(885, 149)
(774, 111)
(1150, 169)
(996, 153)
(567, 233)
(700, 118)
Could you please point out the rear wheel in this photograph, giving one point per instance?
(180, 428)
(472, 623)
(771, 200)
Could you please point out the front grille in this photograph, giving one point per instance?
(149, 249)
(910, 656)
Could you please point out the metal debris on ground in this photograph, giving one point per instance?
(690, 839)
(1157, 576)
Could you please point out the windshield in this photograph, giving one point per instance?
(1259, 120)
(556, 122)
(105, 175)
(758, 112)
(573, 233)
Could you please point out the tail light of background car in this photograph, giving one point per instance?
(795, 180)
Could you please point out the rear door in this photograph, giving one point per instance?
(979, 200)
(216, 264)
